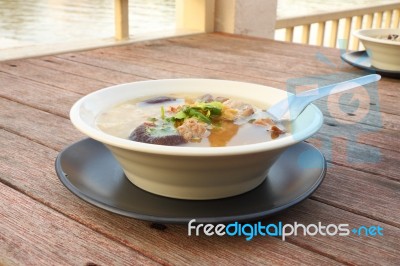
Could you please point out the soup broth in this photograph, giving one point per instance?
(194, 121)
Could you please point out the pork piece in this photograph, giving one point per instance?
(276, 132)
(192, 129)
(243, 109)
(393, 37)
(156, 134)
(264, 122)
(221, 99)
(206, 98)
(160, 99)
(270, 126)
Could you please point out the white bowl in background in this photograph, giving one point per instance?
(192, 172)
(384, 54)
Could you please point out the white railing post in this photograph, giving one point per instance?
(195, 15)
(375, 16)
(121, 19)
(254, 18)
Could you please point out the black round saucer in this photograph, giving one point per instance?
(88, 169)
(360, 59)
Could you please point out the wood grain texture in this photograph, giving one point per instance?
(39, 126)
(33, 234)
(353, 249)
(362, 157)
(361, 187)
(350, 190)
(340, 198)
(37, 95)
(212, 68)
(53, 78)
(33, 174)
(329, 106)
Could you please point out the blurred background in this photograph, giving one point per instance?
(29, 23)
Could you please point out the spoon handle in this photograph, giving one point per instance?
(288, 109)
(312, 95)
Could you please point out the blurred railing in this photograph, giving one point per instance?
(121, 11)
(333, 29)
(197, 15)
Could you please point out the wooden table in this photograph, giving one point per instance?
(41, 222)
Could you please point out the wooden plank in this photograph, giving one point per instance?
(226, 63)
(375, 117)
(344, 249)
(362, 157)
(341, 184)
(389, 105)
(266, 45)
(259, 61)
(89, 71)
(388, 121)
(26, 162)
(257, 69)
(137, 50)
(199, 71)
(33, 234)
(52, 77)
(143, 53)
(37, 95)
(213, 43)
(155, 69)
(360, 133)
(41, 127)
(211, 50)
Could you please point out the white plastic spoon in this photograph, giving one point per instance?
(290, 108)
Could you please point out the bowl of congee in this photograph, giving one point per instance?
(382, 46)
(192, 138)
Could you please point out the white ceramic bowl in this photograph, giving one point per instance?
(384, 54)
(192, 172)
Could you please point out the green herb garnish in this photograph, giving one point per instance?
(204, 112)
(162, 113)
